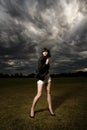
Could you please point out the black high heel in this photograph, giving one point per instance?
(31, 116)
(52, 114)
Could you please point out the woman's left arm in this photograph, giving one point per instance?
(47, 61)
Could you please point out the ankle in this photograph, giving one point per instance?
(51, 111)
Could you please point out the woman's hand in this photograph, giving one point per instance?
(47, 61)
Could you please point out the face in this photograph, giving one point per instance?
(44, 53)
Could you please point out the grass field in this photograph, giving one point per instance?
(69, 98)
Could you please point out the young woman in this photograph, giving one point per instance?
(43, 79)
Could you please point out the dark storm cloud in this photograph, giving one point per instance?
(26, 26)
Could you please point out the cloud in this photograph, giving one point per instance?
(26, 26)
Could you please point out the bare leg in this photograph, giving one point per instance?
(38, 95)
(49, 98)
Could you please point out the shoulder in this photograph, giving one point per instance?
(40, 58)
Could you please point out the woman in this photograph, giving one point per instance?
(43, 79)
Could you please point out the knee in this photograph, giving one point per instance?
(39, 95)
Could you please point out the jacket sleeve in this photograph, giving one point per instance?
(42, 66)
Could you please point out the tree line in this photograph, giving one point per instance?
(32, 75)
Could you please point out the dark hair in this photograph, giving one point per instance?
(46, 50)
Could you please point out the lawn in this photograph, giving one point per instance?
(69, 99)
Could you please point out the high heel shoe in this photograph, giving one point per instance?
(31, 116)
(52, 114)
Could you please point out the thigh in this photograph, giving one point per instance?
(39, 87)
(48, 85)
(47, 78)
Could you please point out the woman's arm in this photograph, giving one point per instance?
(47, 61)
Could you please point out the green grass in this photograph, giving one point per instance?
(69, 98)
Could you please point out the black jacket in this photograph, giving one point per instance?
(43, 68)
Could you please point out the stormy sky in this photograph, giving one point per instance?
(27, 26)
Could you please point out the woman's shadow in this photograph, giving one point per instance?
(60, 99)
(41, 110)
